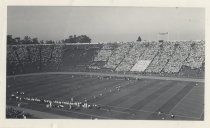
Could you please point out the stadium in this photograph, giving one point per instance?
(146, 80)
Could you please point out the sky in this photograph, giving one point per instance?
(105, 24)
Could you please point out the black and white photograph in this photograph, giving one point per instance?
(102, 63)
(132, 63)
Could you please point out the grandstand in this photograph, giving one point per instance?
(117, 56)
(131, 58)
(134, 57)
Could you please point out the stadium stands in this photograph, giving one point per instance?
(138, 57)
(132, 57)
(77, 58)
(146, 58)
(159, 62)
(33, 58)
(117, 56)
(179, 56)
(197, 55)
(102, 57)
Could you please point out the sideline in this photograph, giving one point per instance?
(112, 75)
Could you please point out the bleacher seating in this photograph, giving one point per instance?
(132, 57)
(164, 54)
(146, 58)
(179, 56)
(103, 55)
(138, 57)
(117, 56)
(197, 55)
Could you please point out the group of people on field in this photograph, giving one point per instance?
(20, 97)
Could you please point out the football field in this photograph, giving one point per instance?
(118, 98)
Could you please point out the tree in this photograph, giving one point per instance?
(42, 42)
(139, 39)
(10, 40)
(27, 40)
(18, 40)
(77, 39)
(84, 39)
(35, 41)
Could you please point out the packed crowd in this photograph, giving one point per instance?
(17, 114)
(197, 55)
(11, 55)
(159, 62)
(52, 57)
(168, 57)
(131, 58)
(103, 55)
(157, 57)
(180, 54)
(145, 59)
(38, 57)
(78, 57)
(118, 55)
(151, 50)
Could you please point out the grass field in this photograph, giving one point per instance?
(136, 99)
